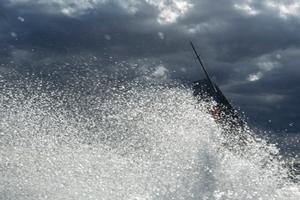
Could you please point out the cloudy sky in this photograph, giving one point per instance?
(250, 47)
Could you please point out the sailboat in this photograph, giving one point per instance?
(206, 90)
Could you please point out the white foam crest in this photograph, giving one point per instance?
(140, 142)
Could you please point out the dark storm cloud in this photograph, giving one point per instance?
(251, 47)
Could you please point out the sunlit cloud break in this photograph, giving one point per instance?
(246, 7)
(285, 8)
(168, 10)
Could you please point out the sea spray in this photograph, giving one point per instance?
(127, 141)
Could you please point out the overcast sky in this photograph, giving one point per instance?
(250, 47)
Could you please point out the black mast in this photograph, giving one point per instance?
(201, 63)
(217, 93)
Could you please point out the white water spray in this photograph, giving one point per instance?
(139, 142)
